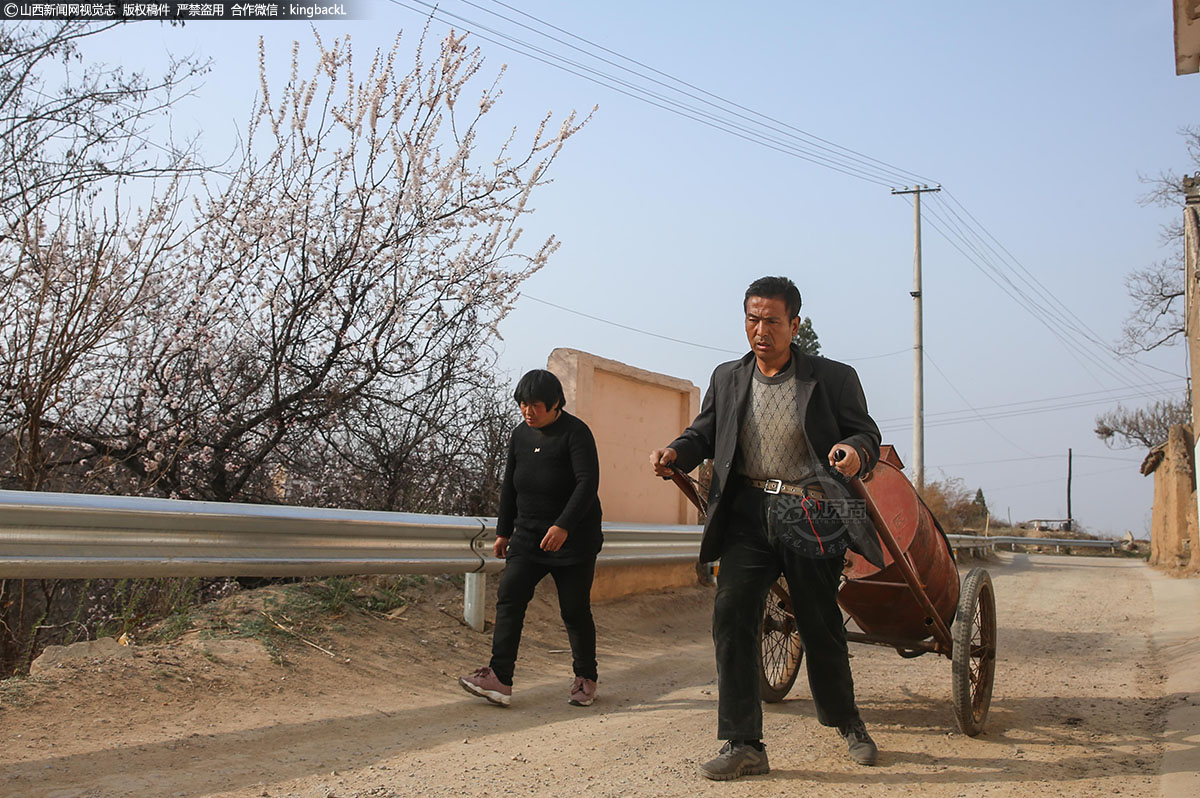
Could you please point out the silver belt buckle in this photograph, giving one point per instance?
(773, 486)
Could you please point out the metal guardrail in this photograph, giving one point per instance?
(61, 535)
(991, 541)
(644, 544)
(76, 536)
(73, 536)
(66, 535)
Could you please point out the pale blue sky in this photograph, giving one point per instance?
(1037, 117)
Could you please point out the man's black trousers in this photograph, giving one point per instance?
(750, 564)
(574, 583)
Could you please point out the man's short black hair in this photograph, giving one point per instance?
(776, 288)
(542, 386)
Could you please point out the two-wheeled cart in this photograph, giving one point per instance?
(914, 603)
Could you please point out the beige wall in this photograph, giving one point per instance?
(1191, 316)
(631, 412)
(1173, 524)
(1191, 227)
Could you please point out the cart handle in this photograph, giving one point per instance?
(688, 486)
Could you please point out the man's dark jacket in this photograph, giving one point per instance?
(830, 399)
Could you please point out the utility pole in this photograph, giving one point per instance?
(1070, 523)
(1191, 245)
(918, 342)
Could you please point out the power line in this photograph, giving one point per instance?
(1004, 460)
(875, 357)
(1011, 414)
(979, 415)
(995, 489)
(1047, 318)
(1102, 457)
(832, 147)
(797, 149)
(1058, 309)
(1103, 396)
(942, 418)
(1081, 324)
(720, 113)
(1029, 304)
(632, 329)
(662, 337)
(1038, 457)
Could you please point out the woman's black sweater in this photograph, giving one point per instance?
(551, 479)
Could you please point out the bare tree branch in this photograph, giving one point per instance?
(1146, 427)
(1157, 291)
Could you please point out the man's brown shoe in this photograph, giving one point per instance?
(736, 760)
(859, 744)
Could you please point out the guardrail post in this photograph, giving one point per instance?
(474, 593)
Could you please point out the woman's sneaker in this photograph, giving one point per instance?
(583, 692)
(485, 684)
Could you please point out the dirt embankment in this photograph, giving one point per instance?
(1079, 709)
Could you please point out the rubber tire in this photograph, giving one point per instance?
(973, 658)
(780, 651)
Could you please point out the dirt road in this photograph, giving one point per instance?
(1079, 709)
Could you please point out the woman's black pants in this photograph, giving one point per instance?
(574, 582)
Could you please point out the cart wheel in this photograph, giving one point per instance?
(780, 645)
(974, 655)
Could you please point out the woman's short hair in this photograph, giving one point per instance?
(542, 386)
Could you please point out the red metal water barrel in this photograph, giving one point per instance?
(878, 599)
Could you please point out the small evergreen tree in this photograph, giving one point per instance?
(806, 338)
(979, 508)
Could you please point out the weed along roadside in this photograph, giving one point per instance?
(312, 613)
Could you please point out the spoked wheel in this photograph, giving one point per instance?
(974, 656)
(780, 645)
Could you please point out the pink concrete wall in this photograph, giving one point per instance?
(631, 412)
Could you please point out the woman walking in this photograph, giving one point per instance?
(549, 523)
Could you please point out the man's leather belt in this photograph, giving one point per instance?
(777, 486)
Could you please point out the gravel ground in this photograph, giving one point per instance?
(1080, 708)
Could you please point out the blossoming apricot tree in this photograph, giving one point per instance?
(312, 323)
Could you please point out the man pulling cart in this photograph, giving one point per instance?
(794, 516)
(773, 422)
